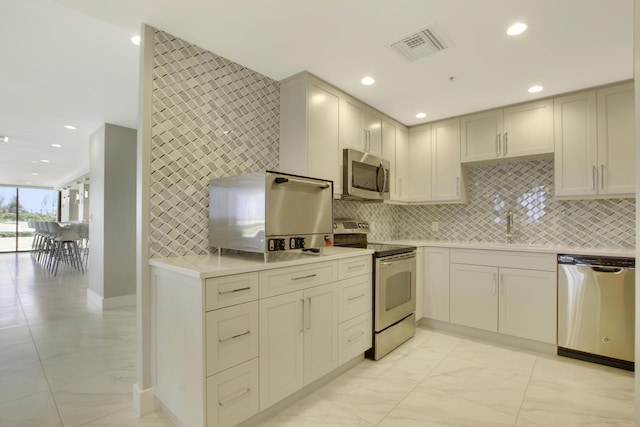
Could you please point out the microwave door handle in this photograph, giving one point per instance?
(384, 179)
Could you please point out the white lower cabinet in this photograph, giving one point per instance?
(354, 337)
(527, 304)
(233, 395)
(499, 298)
(298, 341)
(473, 294)
(232, 335)
(228, 347)
(435, 297)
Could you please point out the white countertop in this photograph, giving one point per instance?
(205, 266)
(518, 247)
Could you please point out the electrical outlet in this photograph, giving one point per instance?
(435, 226)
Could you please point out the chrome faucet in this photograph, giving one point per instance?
(509, 224)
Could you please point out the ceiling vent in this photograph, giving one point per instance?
(420, 44)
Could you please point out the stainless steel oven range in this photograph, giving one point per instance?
(394, 286)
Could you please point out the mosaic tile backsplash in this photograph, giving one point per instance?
(198, 97)
(211, 118)
(526, 189)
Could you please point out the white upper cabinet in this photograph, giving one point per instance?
(446, 171)
(400, 189)
(389, 131)
(576, 152)
(616, 140)
(481, 135)
(360, 127)
(595, 143)
(435, 173)
(309, 129)
(524, 130)
(419, 154)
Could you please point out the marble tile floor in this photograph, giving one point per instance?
(64, 363)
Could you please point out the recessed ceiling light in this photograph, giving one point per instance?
(56, 145)
(367, 81)
(135, 40)
(421, 115)
(4, 138)
(28, 182)
(516, 29)
(44, 161)
(35, 174)
(535, 89)
(70, 127)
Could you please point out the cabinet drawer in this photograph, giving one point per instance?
(231, 336)
(354, 297)
(354, 337)
(230, 290)
(353, 267)
(233, 395)
(288, 279)
(526, 260)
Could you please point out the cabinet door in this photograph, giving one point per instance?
(528, 129)
(400, 190)
(446, 172)
(473, 296)
(320, 331)
(373, 132)
(420, 164)
(481, 136)
(281, 347)
(528, 304)
(616, 140)
(352, 128)
(435, 302)
(576, 144)
(323, 146)
(389, 152)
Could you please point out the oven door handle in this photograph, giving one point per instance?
(397, 260)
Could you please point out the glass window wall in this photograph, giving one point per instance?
(19, 207)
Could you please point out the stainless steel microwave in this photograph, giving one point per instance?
(365, 176)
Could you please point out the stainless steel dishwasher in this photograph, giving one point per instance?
(596, 309)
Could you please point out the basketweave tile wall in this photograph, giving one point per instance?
(198, 97)
(526, 188)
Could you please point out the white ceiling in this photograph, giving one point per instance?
(71, 61)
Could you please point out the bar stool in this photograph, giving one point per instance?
(64, 248)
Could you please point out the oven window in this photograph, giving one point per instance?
(398, 289)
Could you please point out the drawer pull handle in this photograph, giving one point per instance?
(355, 337)
(237, 396)
(234, 290)
(304, 277)
(355, 266)
(356, 297)
(234, 337)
